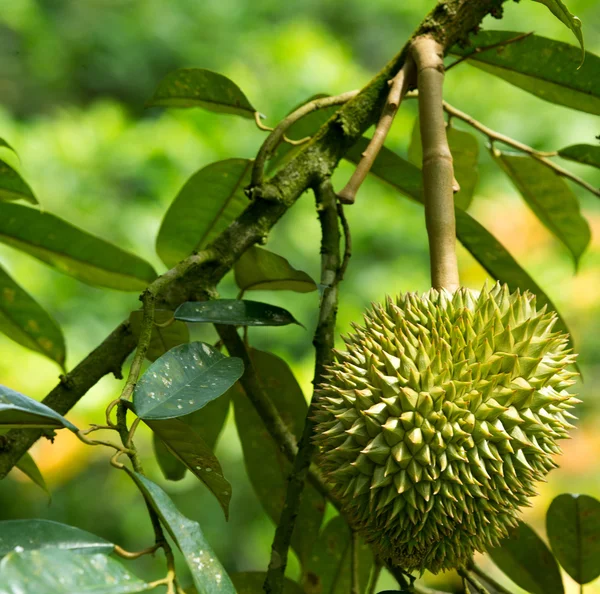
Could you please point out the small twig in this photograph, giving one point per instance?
(354, 584)
(477, 586)
(95, 442)
(492, 582)
(540, 156)
(438, 172)
(347, 243)
(261, 126)
(135, 554)
(276, 136)
(480, 50)
(399, 86)
(323, 342)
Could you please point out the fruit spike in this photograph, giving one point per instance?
(439, 418)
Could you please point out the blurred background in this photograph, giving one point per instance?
(73, 80)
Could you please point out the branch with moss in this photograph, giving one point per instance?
(323, 342)
(196, 277)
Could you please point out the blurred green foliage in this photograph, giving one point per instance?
(74, 77)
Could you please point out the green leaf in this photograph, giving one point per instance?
(573, 526)
(588, 154)
(53, 571)
(28, 467)
(465, 154)
(12, 185)
(5, 144)
(71, 250)
(184, 380)
(208, 202)
(267, 466)
(328, 570)
(28, 535)
(527, 561)
(208, 574)
(251, 582)
(171, 467)
(25, 321)
(481, 244)
(165, 335)
(259, 269)
(197, 87)
(550, 199)
(562, 13)
(236, 312)
(192, 451)
(19, 411)
(543, 67)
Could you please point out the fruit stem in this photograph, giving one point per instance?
(438, 172)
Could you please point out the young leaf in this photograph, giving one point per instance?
(550, 199)
(28, 535)
(5, 144)
(266, 465)
(236, 312)
(251, 582)
(25, 321)
(166, 332)
(208, 574)
(19, 411)
(12, 185)
(562, 13)
(540, 66)
(197, 87)
(588, 154)
(482, 245)
(171, 467)
(30, 469)
(527, 561)
(71, 250)
(465, 154)
(328, 569)
(191, 450)
(573, 526)
(184, 380)
(208, 202)
(53, 571)
(259, 269)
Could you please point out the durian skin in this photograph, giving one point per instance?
(437, 421)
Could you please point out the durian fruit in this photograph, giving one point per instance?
(437, 421)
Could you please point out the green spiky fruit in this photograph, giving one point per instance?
(437, 421)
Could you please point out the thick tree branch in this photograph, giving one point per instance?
(324, 342)
(449, 22)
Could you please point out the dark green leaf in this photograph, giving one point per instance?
(259, 269)
(266, 465)
(25, 321)
(71, 250)
(52, 571)
(527, 561)
(236, 312)
(465, 154)
(540, 66)
(550, 199)
(208, 574)
(562, 13)
(588, 154)
(196, 87)
(328, 570)
(28, 467)
(251, 582)
(190, 449)
(482, 245)
(165, 335)
(26, 535)
(573, 527)
(171, 467)
(12, 185)
(208, 202)
(183, 380)
(19, 411)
